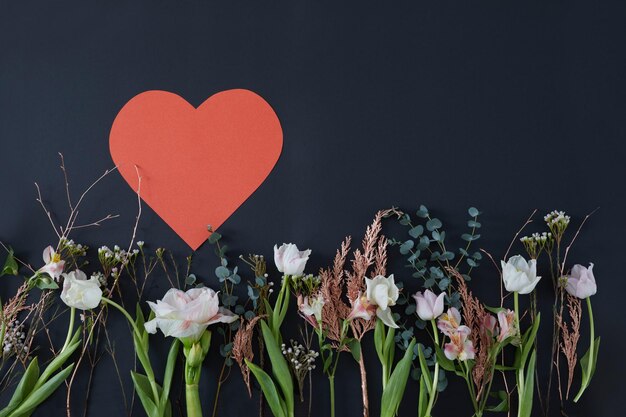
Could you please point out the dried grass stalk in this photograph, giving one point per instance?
(570, 336)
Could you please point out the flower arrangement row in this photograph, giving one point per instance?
(439, 331)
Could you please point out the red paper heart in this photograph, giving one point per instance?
(197, 166)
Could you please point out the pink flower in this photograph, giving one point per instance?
(429, 306)
(581, 283)
(508, 327)
(310, 308)
(54, 265)
(488, 326)
(186, 315)
(450, 321)
(362, 309)
(460, 346)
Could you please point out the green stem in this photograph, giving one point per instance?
(592, 346)
(124, 312)
(433, 392)
(470, 387)
(385, 374)
(192, 397)
(70, 329)
(520, 372)
(138, 335)
(331, 383)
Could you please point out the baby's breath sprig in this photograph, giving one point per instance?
(557, 222)
(536, 243)
(301, 361)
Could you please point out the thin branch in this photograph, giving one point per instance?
(74, 213)
(574, 239)
(40, 201)
(132, 240)
(97, 222)
(528, 221)
(67, 183)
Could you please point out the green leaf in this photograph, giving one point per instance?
(406, 247)
(526, 396)
(528, 341)
(422, 212)
(443, 361)
(433, 224)
(60, 359)
(502, 406)
(394, 391)
(26, 385)
(10, 264)
(144, 391)
(584, 364)
(44, 282)
(422, 403)
(168, 374)
(190, 280)
(40, 394)
(269, 390)
(416, 231)
(214, 238)
(280, 369)
(379, 340)
(355, 349)
(424, 367)
(473, 211)
(222, 272)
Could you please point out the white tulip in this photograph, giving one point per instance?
(289, 260)
(518, 275)
(80, 292)
(186, 315)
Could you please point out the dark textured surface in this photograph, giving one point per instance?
(505, 106)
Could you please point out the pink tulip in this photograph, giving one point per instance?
(429, 305)
(581, 283)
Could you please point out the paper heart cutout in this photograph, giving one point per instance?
(197, 165)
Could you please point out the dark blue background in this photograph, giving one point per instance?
(508, 106)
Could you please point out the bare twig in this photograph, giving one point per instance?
(528, 221)
(45, 209)
(574, 239)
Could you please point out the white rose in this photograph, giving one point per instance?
(382, 292)
(519, 276)
(80, 292)
(289, 260)
(187, 314)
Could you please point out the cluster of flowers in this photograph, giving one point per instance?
(340, 305)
